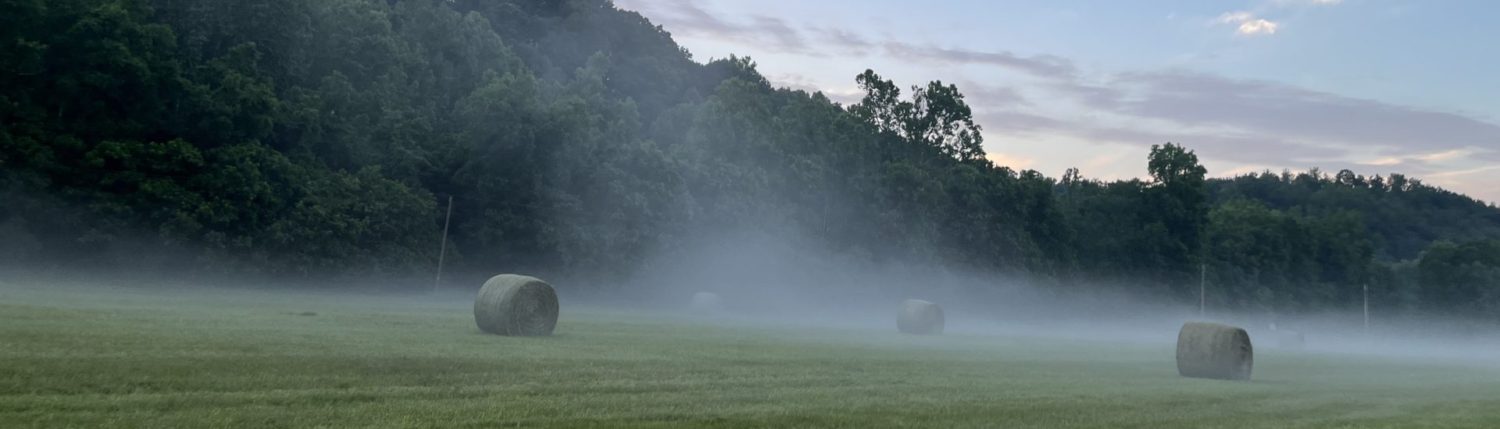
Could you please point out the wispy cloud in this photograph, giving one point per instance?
(1269, 108)
(1010, 121)
(1443, 156)
(1038, 65)
(775, 35)
(685, 16)
(1259, 123)
(1428, 158)
(993, 96)
(1244, 121)
(1228, 146)
(845, 42)
(1235, 17)
(1384, 162)
(1464, 172)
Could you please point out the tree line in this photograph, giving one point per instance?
(314, 139)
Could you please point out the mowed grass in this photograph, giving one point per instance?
(114, 357)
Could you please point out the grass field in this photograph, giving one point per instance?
(85, 357)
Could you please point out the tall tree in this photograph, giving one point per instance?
(1178, 202)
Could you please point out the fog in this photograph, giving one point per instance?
(782, 280)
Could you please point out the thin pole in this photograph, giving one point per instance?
(1367, 310)
(443, 250)
(1202, 290)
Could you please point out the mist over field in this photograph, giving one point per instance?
(292, 213)
(782, 281)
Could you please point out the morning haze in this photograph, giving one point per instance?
(358, 213)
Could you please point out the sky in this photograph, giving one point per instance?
(1373, 86)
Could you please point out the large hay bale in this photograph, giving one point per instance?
(1211, 350)
(515, 305)
(706, 302)
(1290, 340)
(920, 317)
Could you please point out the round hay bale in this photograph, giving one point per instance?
(515, 305)
(706, 302)
(1291, 340)
(920, 318)
(1211, 350)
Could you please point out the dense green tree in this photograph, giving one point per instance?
(1461, 278)
(1179, 207)
(936, 116)
(315, 139)
(1401, 214)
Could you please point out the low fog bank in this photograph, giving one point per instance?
(773, 280)
(781, 280)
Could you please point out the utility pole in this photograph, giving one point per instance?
(443, 250)
(1202, 290)
(1367, 310)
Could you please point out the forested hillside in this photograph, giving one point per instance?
(318, 139)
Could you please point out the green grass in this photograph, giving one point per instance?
(141, 358)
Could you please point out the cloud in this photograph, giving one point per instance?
(1465, 172)
(775, 35)
(1443, 156)
(1256, 27)
(978, 94)
(687, 17)
(1008, 121)
(846, 41)
(1385, 162)
(1047, 66)
(1235, 17)
(1002, 126)
(776, 30)
(1247, 24)
(1236, 147)
(1268, 108)
(1428, 158)
(1095, 96)
(1253, 122)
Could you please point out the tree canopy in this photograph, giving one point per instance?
(314, 139)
